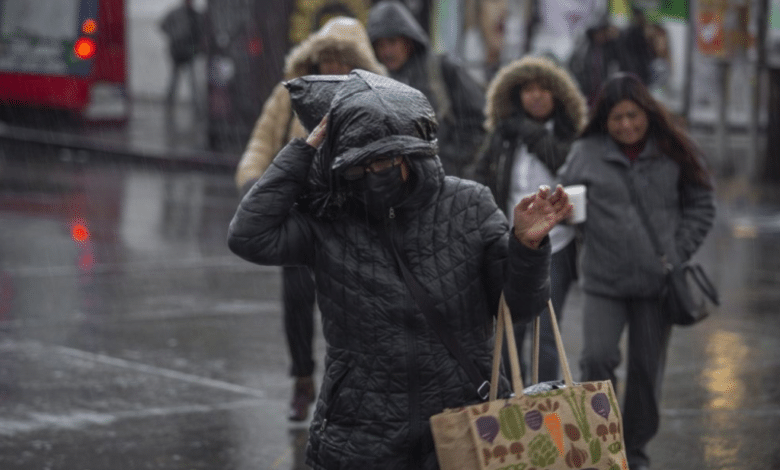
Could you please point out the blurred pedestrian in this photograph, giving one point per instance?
(183, 26)
(595, 57)
(534, 112)
(307, 16)
(635, 51)
(402, 45)
(390, 207)
(661, 66)
(484, 38)
(632, 157)
(338, 47)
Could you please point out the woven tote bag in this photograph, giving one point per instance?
(548, 426)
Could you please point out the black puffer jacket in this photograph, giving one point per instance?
(386, 372)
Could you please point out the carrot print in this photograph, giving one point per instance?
(553, 424)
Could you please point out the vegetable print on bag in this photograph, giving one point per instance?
(550, 429)
(550, 426)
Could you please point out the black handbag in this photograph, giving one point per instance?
(688, 294)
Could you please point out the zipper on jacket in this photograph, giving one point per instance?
(332, 395)
(415, 424)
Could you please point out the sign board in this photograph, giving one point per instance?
(711, 27)
(723, 27)
(773, 35)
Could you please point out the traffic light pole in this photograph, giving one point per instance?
(757, 155)
(771, 164)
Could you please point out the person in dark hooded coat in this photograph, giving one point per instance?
(402, 45)
(365, 185)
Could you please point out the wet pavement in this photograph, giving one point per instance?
(131, 338)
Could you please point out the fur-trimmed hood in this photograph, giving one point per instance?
(346, 35)
(500, 103)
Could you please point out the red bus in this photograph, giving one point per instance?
(64, 55)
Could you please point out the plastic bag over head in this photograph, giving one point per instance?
(311, 96)
(369, 116)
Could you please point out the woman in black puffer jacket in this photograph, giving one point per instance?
(376, 172)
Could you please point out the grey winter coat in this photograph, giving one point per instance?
(618, 258)
(386, 372)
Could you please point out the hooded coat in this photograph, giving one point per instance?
(277, 125)
(456, 97)
(386, 371)
(509, 127)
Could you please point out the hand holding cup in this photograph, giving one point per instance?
(578, 198)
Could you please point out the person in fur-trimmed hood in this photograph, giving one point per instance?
(340, 46)
(533, 113)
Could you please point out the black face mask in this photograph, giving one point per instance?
(381, 191)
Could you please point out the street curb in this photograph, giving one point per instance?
(196, 158)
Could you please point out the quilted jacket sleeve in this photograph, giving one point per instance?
(527, 285)
(523, 273)
(266, 228)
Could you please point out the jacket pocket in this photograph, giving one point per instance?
(333, 401)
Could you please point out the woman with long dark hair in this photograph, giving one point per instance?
(634, 159)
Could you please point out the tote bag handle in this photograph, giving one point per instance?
(504, 327)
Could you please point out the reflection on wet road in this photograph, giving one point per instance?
(131, 338)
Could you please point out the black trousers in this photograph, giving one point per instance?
(605, 318)
(298, 294)
(563, 272)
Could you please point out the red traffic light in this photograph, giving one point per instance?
(89, 26)
(84, 48)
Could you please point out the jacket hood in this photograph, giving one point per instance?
(501, 103)
(346, 36)
(387, 19)
(370, 116)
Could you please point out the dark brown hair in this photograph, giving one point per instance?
(671, 139)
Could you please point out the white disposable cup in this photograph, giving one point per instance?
(578, 199)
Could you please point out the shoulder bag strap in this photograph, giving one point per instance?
(706, 286)
(438, 322)
(696, 271)
(646, 222)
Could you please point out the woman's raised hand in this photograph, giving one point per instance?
(537, 214)
(317, 135)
